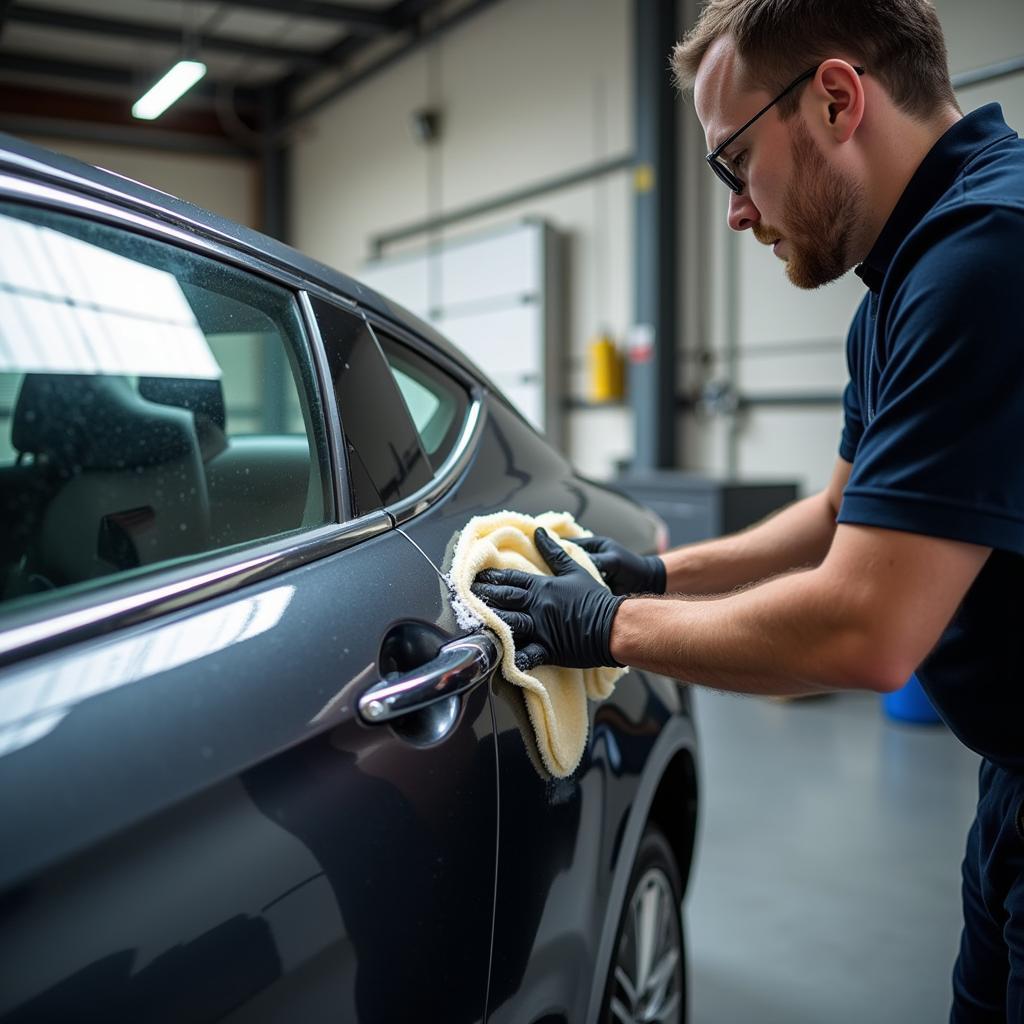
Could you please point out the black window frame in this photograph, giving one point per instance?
(366, 457)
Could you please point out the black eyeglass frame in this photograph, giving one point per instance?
(721, 171)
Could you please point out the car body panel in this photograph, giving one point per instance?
(220, 813)
(561, 842)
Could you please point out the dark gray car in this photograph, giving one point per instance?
(229, 479)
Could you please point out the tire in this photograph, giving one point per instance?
(652, 909)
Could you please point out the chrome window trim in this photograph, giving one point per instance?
(106, 204)
(54, 624)
(60, 201)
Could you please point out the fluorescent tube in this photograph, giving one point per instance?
(171, 87)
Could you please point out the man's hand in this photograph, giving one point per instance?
(625, 572)
(564, 619)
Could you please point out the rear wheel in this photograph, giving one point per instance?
(647, 980)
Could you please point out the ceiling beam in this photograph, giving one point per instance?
(358, 20)
(5, 7)
(67, 104)
(120, 135)
(105, 74)
(405, 12)
(401, 15)
(170, 35)
(414, 42)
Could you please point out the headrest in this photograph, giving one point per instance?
(205, 400)
(96, 422)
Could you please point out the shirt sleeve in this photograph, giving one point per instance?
(942, 453)
(853, 420)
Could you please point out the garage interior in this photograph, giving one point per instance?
(522, 174)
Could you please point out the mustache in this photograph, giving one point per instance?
(766, 234)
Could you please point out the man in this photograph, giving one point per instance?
(835, 127)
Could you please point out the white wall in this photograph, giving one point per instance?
(225, 185)
(537, 88)
(531, 89)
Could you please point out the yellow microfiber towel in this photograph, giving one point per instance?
(556, 698)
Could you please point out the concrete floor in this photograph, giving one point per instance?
(827, 880)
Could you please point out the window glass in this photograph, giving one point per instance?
(436, 402)
(154, 405)
(385, 457)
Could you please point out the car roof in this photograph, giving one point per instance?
(25, 160)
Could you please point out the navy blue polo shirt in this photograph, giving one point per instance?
(934, 410)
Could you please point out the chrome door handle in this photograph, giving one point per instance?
(458, 667)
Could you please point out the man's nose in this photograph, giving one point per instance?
(743, 213)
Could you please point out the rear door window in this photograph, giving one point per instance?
(155, 404)
(437, 402)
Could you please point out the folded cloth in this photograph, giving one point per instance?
(556, 698)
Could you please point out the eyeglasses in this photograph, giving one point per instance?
(719, 166)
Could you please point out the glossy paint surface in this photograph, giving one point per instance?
(218, 831)
(559, 838)
(197, 825)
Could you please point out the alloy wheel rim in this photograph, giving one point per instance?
(648, 975)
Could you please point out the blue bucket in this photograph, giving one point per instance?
(910, 704)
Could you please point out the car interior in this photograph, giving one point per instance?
(104, 473)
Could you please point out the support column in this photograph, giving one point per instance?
(652, 344)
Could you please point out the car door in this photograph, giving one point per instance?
(566, 845)
(200, 821)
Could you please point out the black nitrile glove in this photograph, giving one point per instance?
(625, 572)
(565, 619)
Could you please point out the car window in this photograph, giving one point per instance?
(437, 403)
(385, 457)
(154, 405)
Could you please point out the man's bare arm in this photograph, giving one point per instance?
(797, 537)
(864, 618)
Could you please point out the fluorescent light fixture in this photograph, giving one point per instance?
(171, 87)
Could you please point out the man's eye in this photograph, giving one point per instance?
(738, 160)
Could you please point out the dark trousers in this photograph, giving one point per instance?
(988, 979)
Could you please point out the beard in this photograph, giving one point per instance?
(822, 211)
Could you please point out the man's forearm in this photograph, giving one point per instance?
(799, 536)
(793, 634)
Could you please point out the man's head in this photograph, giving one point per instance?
(819, 171)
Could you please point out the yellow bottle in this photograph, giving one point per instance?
(604, 365)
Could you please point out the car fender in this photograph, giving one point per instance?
(676, 736)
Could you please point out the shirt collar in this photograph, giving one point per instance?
(937, 172)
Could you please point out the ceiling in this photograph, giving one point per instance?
(84, 62)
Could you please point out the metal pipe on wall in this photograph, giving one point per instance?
(988, 73)
(380, 241)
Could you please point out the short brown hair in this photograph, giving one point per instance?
(900, 42)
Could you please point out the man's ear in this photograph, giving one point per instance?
(841, 94)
